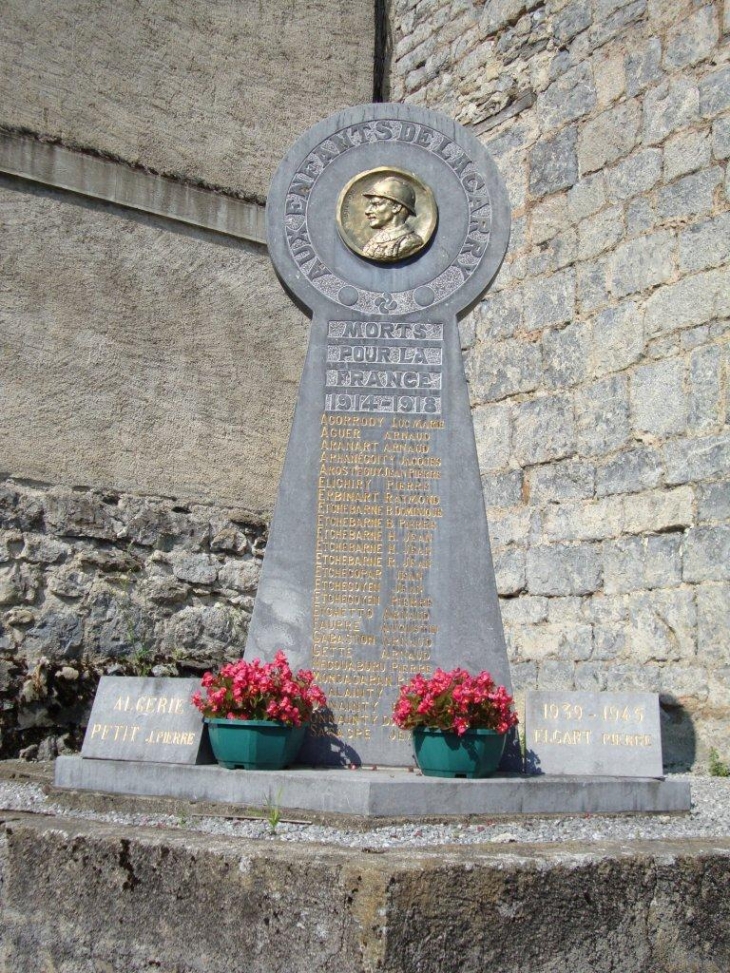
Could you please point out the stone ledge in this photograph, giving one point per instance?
(84, 896)
(376, 793)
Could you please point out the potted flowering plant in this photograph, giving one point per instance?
(459, 722)
(257, 712)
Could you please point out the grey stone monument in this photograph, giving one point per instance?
(386, 223)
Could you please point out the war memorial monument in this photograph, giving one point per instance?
(386, 224)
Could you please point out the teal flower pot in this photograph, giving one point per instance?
(475, 754)
(254, 744)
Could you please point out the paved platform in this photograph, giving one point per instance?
(384, 793)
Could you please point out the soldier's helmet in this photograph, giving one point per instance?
(398, 190)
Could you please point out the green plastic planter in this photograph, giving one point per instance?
(255, 744)
(475, 754)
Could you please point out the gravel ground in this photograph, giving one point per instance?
(708, 818)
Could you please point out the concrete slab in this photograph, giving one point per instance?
(392, 792)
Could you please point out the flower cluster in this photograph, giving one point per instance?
(456, 702)
(260, 691)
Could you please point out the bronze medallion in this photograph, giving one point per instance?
(386, 214)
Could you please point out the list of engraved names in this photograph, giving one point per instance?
(378, 513)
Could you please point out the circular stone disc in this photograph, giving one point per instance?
(390, 210)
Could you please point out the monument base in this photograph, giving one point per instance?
(387, 793)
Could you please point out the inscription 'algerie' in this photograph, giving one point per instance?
(378, 512)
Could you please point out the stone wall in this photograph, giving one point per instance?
(96, 582)
(82, 896)
(598, 366)
(148, 368)
(213, 94)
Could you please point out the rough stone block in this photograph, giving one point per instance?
(691, 196)
(40, 549)
(684, 684)
(715, 93)
(493, 432)
(600, 232)
(499, 315)
(575, 520)
(570, 97)
(642, 263)
(672, 105)
(524, 610)
(587, 196)
(548, 218)
(567, 642)
(631, 471)
(707, 554)
(503, 489)
(610, 75)
(549, 300)
(195, 568)
(509, 570)
(240, 575)
(689, 302)
(686, 152)
(721, 138)
(662, 626)
(643, 65)
(497, 370)
(566, 609)
(512, 527)
(565, 480)
(691, 40)
(659, 510)
(544, 429)
(705, 387)
(573, 18)
(705, 244)
(713, 623)
(602, 416)
(640, 217)
(618, 338)
(592, 284)
(553, 163)
(557, 569)
(609, 642)
(635, 563)
(658, 399)
(565, 355)
(605, 29)
(636, 174)
(713, 502)
(57, 635)
(609, 136)
(689, 460)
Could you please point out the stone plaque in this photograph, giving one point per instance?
(139, 718)
(386, 223)
(596, 734)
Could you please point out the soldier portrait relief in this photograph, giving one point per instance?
(389, 204)
(386, 215)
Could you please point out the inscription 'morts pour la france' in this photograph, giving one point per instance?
(378, 563)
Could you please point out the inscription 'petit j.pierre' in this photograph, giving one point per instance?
(385, 221)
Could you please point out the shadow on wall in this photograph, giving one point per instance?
(679, 741)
